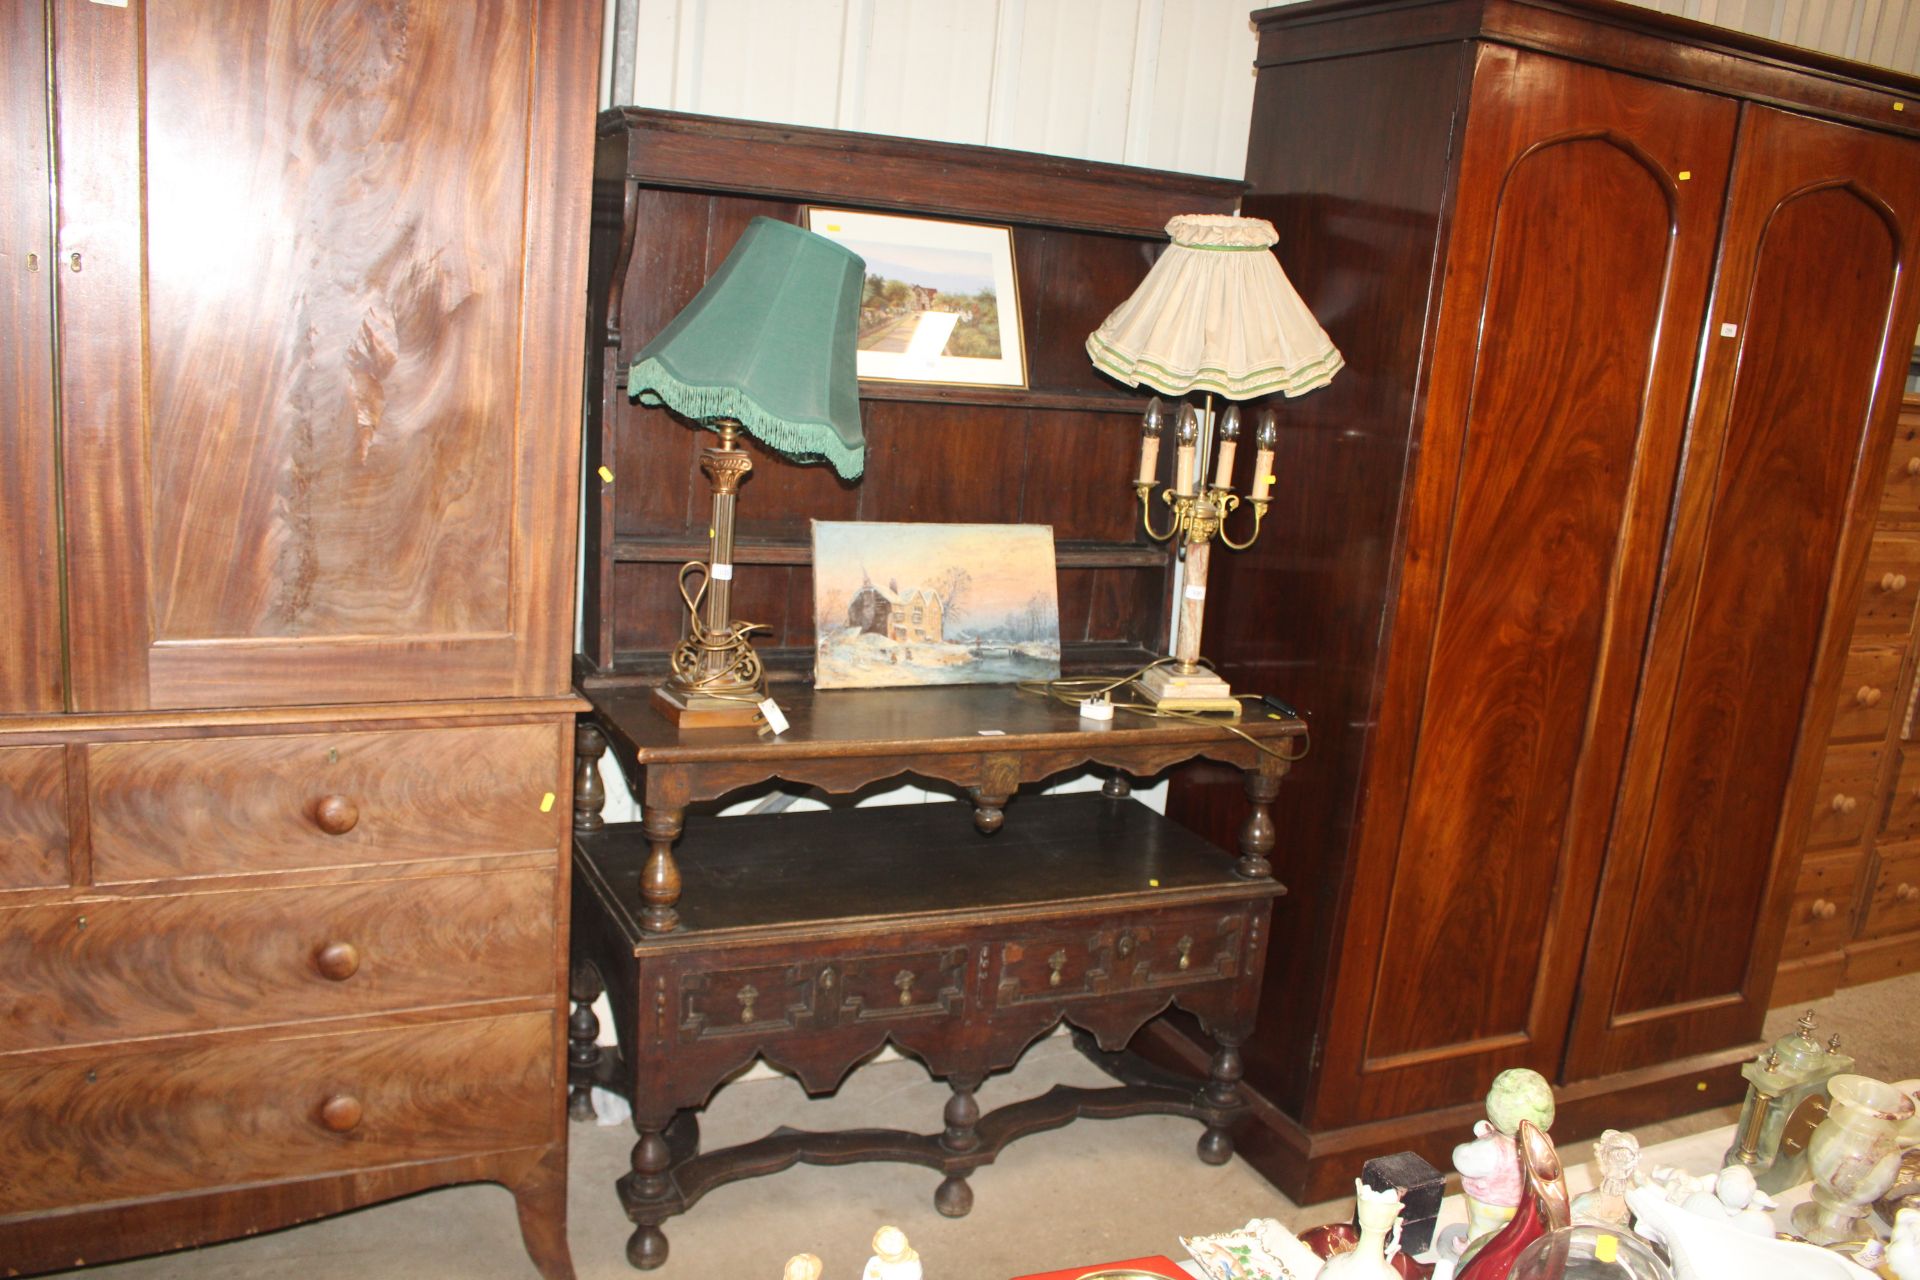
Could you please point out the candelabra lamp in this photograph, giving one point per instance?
(766, 348)
(1215, 315)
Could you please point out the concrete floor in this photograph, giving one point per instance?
(1093, 1191)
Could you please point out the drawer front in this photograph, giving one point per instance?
(1902, 820)
(1821, 919)
(1890, 587)
(209, 806)
(145, 1123)
(1844, 804)
(1866, 693)
(1163, 950)
(1895, 903)
(1900, 500)
(748, 1000)
(33, 817)
(902, 985)
(118, 969)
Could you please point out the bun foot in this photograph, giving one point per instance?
(954, 1198)
(647, 1247)
(1215, 1146)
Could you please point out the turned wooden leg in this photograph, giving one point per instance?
(989, 811)
(1223, 1092)
(583, 1043)
(954, 1197)
(589, 795)
(1256, 833)
(660, 878)
(541, 1199)
(1117, 787)
(647, 1246)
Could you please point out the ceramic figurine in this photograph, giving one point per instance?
(802, 1266)
(893, 1258)
(1735, 1199)
(1616, 1156)
(1855, 1155)
(1489, 1167)
(1903, 1251)
(1378, 1212)
(1543, 1207)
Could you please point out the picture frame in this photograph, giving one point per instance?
(941, 303)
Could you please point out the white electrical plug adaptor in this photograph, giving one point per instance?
(1098, 707)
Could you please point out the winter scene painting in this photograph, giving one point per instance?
(912, 604)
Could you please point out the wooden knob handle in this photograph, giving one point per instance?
(341, 1112)
(1867, 696)
(1913, 465)
(337, 960)
(335, 815)
(1824, 910)
(1906, 892)
(1845, 804)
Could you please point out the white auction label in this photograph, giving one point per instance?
(1196, 592)
(723, 573)
(776, 719)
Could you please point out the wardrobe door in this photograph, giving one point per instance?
(322, 352)
(1805, 349)
(30, 661)
(1577, 273)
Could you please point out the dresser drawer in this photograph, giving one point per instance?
(1902, 820)
(1900, 500)
(142, 1123)
(1891, 585)
(33, 817)
(208, 806)
(1866, 693)
(120, 969)
(1894, 905)
(1843, 806)
(1821, 919)
(1168, 949)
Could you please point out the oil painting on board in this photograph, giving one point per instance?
(917, 604)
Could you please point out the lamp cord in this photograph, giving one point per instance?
(742, 665)
(1073, 690)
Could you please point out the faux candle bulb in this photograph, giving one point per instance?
(1229, 442)
(1187, 434)
(1264, 441)
(1150, 441)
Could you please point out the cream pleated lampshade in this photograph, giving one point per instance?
(1216, 313)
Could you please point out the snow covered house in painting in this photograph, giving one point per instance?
(900, 616)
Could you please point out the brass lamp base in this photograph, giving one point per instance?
(692, 710)
(1170, 689)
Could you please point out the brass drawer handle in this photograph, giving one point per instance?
(1867, 696)
(1824, 910)
(1184, 947)
(1056, 962)
(1123, 945)
(335, 815)
(337, 961)
(1845, 804)
(1891, 581)
(1906, 892)
(341, 1113)
(747, 995)
(904, 981)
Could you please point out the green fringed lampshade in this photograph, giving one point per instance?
(769, 342)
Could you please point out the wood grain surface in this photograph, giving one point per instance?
(208, 806)
(101, 971)
(139, 1123)
(31, 649)
(33, 817)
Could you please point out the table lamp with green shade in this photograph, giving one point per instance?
(766, 347)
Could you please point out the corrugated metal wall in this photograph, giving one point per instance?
(1162, 83)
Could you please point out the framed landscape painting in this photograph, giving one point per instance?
(920, 604)
(941, 301)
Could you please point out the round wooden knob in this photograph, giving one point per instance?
(335, 815)
(1913, 465)
(1824, 910)
(1906, 892)
(1893, 582)
(337, 960)
(1867, 696)
(1845, 804)
(341, 1112)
